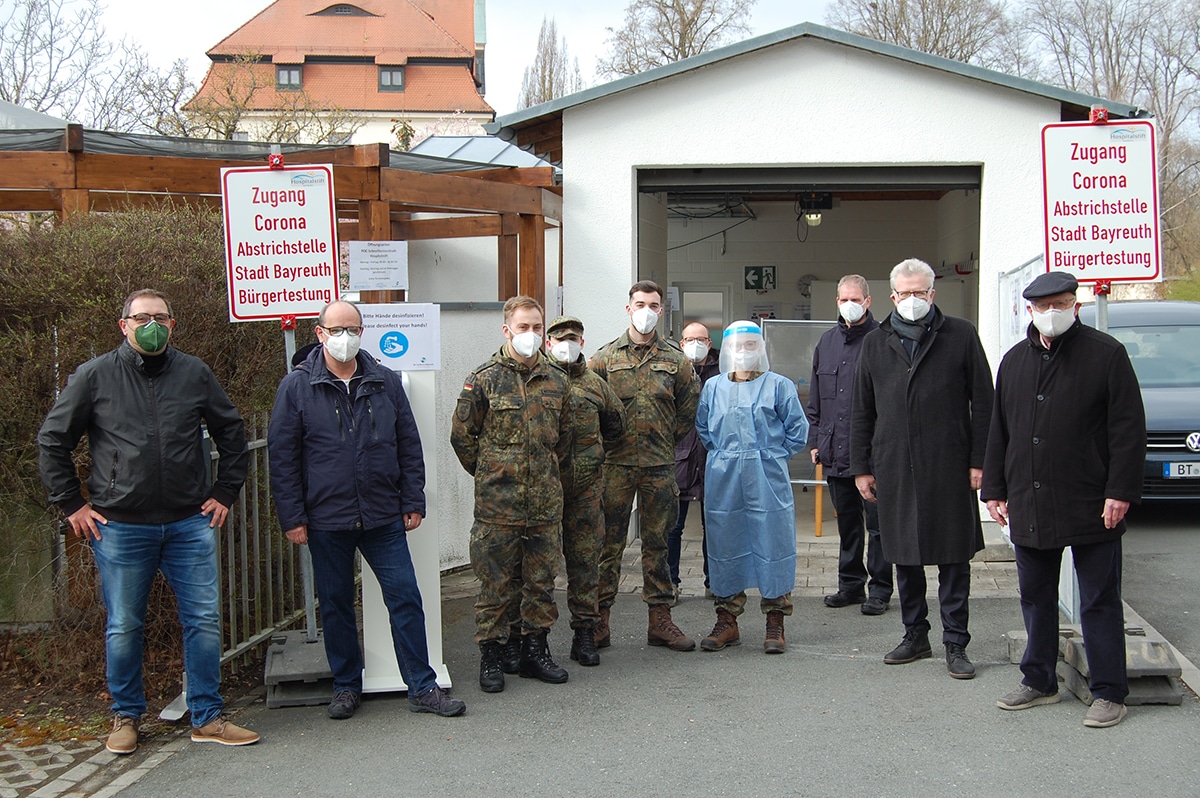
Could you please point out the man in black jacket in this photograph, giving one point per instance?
(347, 474)
(1064, 461)
(830, 402)
(149, 506)
(922, 403)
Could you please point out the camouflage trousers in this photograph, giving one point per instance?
(658, 508)
(582, 540)
(516, 567)
(736, 605)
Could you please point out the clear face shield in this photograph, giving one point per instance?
(743, 348)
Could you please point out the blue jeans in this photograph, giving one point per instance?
(386, 550)
(128, 555)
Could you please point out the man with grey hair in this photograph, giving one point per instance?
(922, 405)
(830, 402)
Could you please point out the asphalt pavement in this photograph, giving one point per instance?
(827, 718)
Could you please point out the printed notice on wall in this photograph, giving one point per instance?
(403, 336)
(1101, 201)
(378, 265)
(280, 241)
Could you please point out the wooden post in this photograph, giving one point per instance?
(532, 267)
(375, 224)
(506, 260)
(820, 494)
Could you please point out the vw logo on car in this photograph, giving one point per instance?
(1193, 441)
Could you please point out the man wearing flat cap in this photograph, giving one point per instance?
(598, 417)
(1064, 461)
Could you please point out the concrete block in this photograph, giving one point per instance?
(1144, 656)
(296, 671)
(1142, 690)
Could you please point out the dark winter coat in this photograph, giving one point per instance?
(1068, 431)
(919, 429)
(344, 460)
(831, 396)
(149, 464)
(690, 454)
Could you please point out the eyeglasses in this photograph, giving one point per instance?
(692, 340)
(918, 294)
(355, 331)
(1059, 304)
(144, 318)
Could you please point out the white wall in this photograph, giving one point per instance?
(804, 102)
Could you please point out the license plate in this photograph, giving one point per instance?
(1181, 470)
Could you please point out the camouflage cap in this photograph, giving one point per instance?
(564, 323)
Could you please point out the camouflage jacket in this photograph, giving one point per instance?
(598, 417)
(658, 386)
(512, 432)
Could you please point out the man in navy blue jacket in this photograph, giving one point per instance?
(347, 473)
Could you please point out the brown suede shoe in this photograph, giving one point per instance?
(725, 633)
(663, 631)
(123, 738)
(774, 642)
(224, 732)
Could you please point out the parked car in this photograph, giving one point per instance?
(1163, 341)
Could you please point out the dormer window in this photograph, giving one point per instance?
(288, 77)
(391, 78)
(343, 9)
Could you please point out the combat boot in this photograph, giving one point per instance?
(583, 647)
(536, 662)
(774, 642)
(603, 634)
(664, 632)
(510, 652)
(491, 678)
(725, 632)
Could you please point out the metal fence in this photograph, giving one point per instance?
(259, 576)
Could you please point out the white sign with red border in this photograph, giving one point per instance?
(281, 249)
(1100, 186)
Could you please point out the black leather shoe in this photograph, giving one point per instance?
(583, 647)
(536, 662)
(510, 652)
(843, 599)
(491, 678)
(873, 606)
(957, 663)
(913, 647)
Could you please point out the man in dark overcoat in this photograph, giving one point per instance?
(1064, 461)
(922, 404)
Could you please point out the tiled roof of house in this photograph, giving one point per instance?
(442, 88)
(414, 28)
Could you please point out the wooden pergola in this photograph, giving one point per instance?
(375, 202)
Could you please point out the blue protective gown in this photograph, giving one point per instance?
(751, 430)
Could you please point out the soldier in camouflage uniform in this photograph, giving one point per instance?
(658, 386)
(599, 419)
(512, 432)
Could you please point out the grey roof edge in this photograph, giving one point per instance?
(808, 30)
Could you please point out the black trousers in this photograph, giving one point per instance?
(954, 591)
(1102, 616)
(851, 508)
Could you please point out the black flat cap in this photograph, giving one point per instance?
(1051, 284)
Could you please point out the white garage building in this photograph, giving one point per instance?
(689, 173)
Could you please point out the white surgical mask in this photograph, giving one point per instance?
(526, 344)
(566, 351)
(1053, 322)
(745, 360)
(851, 312)
(913, 308)
(695, 350)
(343, 347)
(644, 320)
